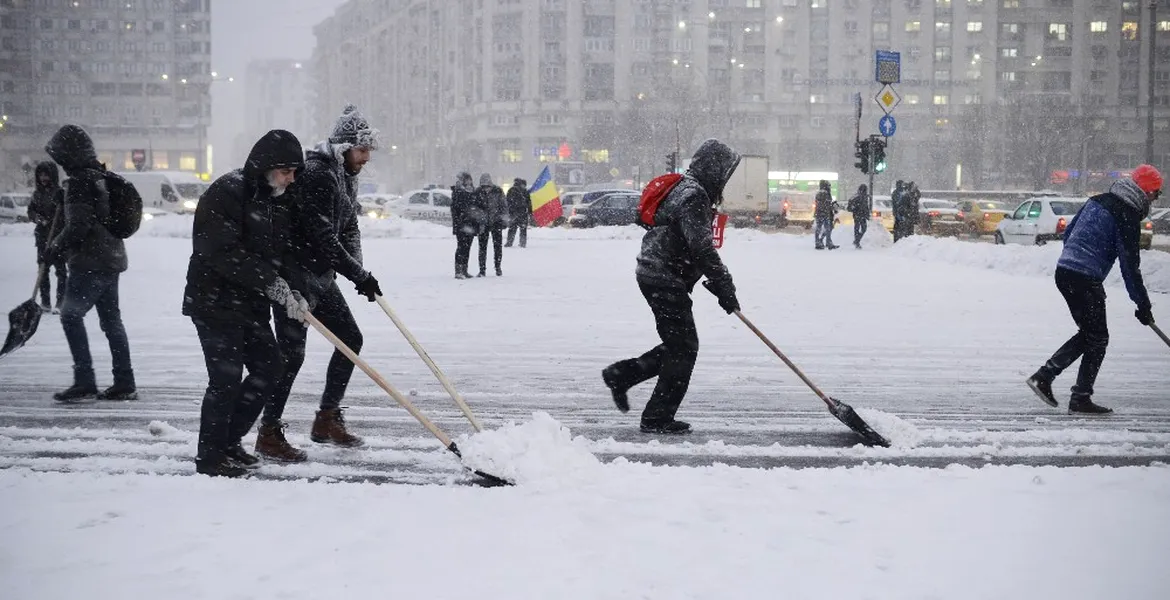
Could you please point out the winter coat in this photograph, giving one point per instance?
(463, 214)
(45, 200)
(824, 208)
(911, 205)
(327, 238)
(495, 206)
(519, 202)
(1108, 228)
(679, 249)
(859, 207)
(83, 240)
(241, 235)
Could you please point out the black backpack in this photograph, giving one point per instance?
(125, 206)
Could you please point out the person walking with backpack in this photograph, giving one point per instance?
(463, 222)
(93, 205)
(327, 243)
(824, 213)
(520, 211)
(859, 206)
(42, 210)
(242, 233)
(490, 199)
(676, 252)
(1105, 230)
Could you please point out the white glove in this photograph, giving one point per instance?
(293, 303)
(297, 307)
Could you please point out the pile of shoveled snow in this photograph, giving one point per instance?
(163, 429)
(537, 451)
(898, 432)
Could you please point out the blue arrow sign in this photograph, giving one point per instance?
(887, 125)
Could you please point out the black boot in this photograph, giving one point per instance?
(1043, 388)
(237, 453)
(220, 467)
(1083, 405)
(671, 427)
(499, 272)
(121, 390)
(610, 376)
(84, 387)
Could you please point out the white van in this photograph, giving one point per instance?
(174, 191)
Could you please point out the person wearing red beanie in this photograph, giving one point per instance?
(1104, 231)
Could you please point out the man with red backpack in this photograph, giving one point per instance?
(676, 252)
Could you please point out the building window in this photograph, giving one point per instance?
(940, 99)
(1058, 31)
(128, 25)
(1008, 76)
(1011, 3)
(509, 155)
(911, 98)
(1163, 25)
(881, 30)
(942, 28)
(74, 24)
(817, 99)
(973, 99)
(942, 53)
(914, 26)
(1129, 30)
(942, 76)
(187, 161)
(942, 3)
(974, 26)
(1099, 26)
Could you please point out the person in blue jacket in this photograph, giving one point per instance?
(1106, 229)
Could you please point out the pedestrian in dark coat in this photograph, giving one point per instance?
(898, 206)
(675, 254)
(42, 209)
(490, 199)
(861, 208)
(95, 258)
(911, 199)
(327, 243)
(520, 211)
(1105, 230)
(824, 213)
(464, 224)
(240, 239)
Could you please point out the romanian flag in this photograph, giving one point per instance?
(546, 202)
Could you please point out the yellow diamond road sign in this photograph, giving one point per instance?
(888, 98)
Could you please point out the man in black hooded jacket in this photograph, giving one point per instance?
(96, 258)
(519, 211)
(240, 238)
(42, 209)
(464, 222)
(676, 252)
(327, 243)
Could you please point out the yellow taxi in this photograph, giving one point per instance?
(983, 216)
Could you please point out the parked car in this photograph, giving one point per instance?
(799, 206)
(614, 208)
(1160, 221)
(14, 206)
(380, 206)
(1038, 220)
(589, 197)
(982, 216)
(940, 217)
(150, 213)
(883, 210)
(432, 205)
(569, 201)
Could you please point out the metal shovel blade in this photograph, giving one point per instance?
(22, 324)
(852, 420)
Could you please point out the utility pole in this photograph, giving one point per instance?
(1150, 83)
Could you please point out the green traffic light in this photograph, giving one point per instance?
(880, 166)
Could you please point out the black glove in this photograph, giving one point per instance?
(1144, 316)
(725, 292)
(50, 255)
(369, 288)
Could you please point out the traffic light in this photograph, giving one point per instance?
(672, 162)
(879, 156)
(862, 155)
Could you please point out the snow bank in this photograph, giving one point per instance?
(539, 450)
(898, 432)
(1021, 260)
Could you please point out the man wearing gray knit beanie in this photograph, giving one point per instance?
(328, 242)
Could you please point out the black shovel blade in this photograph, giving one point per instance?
(22, 324)
(852, 420)
(489, 480)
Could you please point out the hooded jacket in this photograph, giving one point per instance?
(824, 208)
(241, 236)
(490, 198)
(680, 248)
(1108, 228)
(519, 201)
(859, 206)
(43, 206)
(328, 240)
(463, 220)
(83, 241)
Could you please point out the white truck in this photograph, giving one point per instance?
(174, 191)
(745, 198)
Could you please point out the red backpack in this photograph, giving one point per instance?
(653, 195)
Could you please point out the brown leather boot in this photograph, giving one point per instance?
(271, 444)
(329, 428)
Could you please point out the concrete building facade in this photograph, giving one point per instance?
(276, 96)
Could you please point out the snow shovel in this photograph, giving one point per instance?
(24, 319)
(398, 397)
(1156, 329)
(842, 411)
(431, 364)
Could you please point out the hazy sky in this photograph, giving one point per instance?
(244, 30)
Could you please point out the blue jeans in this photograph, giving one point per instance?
(824, 231)
(83, 291)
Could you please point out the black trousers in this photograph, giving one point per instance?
(58, 267)
(1086, 303)
(497, 236)
(860, 226)
(462, 252)
(232, 402)
(522, 225)
(333, 312)
(672, 361)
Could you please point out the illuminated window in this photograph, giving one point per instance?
(187, 161)
(974, 26)
(1058, 31)
(511, 156)
(1008, 52)
(1163, 25)
(940, 99)
(1129, 30)
(1008, 76)
(913, 25)
(1099, 26)
(973, 99)
(161, 162)
(943, 28)
(911, 98)
(1011, 3)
